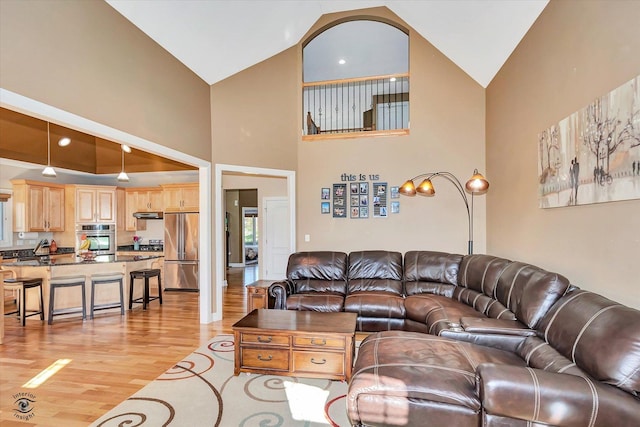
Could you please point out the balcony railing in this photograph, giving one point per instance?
(352, 106)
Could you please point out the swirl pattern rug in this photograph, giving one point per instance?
(201, 390)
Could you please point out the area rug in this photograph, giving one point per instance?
(201, 390)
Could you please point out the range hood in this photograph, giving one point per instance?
(148, 215)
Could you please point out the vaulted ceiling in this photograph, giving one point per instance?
(218, 38)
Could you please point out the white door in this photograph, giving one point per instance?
(277, 240)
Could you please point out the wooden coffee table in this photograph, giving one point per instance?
(295, 343)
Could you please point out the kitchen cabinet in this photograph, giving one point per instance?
(37, 206)
(121, 209)
(148, 199)
(131, 206)
(181, 197)
(95, 204)
(141, 199)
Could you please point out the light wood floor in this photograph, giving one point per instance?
(112, 356)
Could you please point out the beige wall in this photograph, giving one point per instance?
(85, 58)
(573, 54)
(256, 121)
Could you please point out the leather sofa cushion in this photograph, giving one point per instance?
(316, 301)
(529, 291)
(505, 289)
(318, 271)
(437, 311)
(375, 271)
(377, 324)
(481, 272)
(424, 371)
(430, 267)
(600, 336)
(539, 354)
(375, 304)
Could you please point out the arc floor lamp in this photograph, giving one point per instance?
(477, 184)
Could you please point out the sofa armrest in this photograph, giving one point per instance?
(499, 341)
(488, 325)
(551, 398)
(280, 291)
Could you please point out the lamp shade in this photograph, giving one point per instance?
(477, 183)
(123, 177)
(426, 188)
(49, 172)
(408, 189)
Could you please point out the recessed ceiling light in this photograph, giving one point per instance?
(342, 62)
(64, 142)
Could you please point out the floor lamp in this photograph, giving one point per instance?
(477, 184)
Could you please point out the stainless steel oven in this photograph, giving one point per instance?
(101, 237)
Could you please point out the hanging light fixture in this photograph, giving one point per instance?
(122, 176)
(48, 171)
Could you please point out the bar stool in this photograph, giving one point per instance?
(21, 284)
(99, 279)
(66, 282)
(145, 274)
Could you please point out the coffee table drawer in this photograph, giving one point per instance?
(264, 339)
(266, 358)
(318, 362)
(318, 341)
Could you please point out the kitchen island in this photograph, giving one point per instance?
(77, 266)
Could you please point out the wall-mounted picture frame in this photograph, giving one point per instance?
(395, 194)
(325, 207)
(395, 207)
(364, 188)
(364, 212)
(379, 191)
(355, 212)
(339, 200)
(325, 194)
(354, 188)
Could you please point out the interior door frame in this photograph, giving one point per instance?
(220, 169)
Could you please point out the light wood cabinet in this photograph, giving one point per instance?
(141, 199)
(181, 197)
(149, 200)
(121, 209)
(37, 206)
(131, 206)
(95, 204)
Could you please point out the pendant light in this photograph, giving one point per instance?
(48, 171)
(123, 177)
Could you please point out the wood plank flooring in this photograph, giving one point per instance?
(111, 356)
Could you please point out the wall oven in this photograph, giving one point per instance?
(101, 237)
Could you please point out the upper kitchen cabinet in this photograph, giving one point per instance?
(95, 204)
(181, 197)
(147, 199)
(37, 206)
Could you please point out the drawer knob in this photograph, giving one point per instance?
(265, 359)
(318, 342)
(268, 339)
(318, 362)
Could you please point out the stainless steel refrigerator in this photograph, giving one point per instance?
(181, 251)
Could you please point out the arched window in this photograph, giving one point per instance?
(356, 80)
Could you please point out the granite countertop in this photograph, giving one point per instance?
(100, 259)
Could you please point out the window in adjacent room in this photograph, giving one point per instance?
(356, 80)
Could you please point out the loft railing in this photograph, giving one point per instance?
(373, 104)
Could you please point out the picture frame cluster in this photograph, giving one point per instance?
(359, 200)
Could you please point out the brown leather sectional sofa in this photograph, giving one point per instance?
(473, 340)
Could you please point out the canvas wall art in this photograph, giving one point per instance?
(593, 156)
